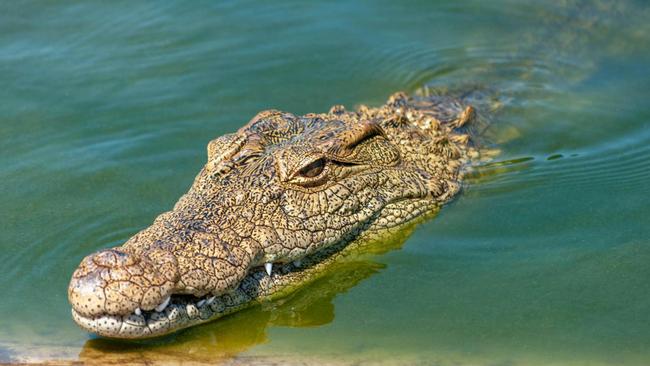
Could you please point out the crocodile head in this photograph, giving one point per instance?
(271, 206)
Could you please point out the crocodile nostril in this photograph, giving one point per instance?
(116, 281)
(114, 258)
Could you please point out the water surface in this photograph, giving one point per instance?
(106, 109)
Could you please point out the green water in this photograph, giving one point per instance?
(106, 109)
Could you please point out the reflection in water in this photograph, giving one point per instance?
(225, 338)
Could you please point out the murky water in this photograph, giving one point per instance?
(106, 109)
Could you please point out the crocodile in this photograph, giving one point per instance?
(276, 204)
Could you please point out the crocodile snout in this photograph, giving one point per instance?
(117, 282)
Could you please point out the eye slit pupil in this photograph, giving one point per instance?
(313, 169)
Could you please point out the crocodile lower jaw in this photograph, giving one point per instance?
(182, 311)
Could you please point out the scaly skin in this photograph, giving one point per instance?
(294, 192)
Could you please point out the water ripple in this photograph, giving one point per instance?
(620, 163)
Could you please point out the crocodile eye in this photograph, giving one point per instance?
(313, 169)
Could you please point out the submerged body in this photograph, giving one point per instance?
(276, 203)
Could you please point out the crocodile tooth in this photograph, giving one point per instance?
(163, 304)
(200, 303)
(268, 267)
(297, 263)
(210, 300)
(138, 311)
